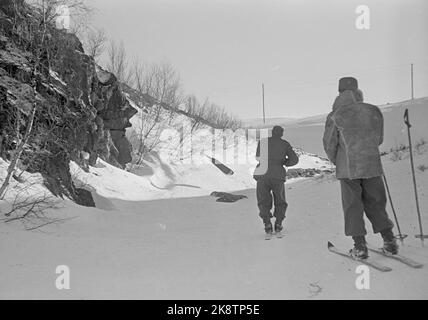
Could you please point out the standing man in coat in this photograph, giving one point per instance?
(353, 133)
(273, 154)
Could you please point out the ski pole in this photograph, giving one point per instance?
(407, 122)
(400, 235)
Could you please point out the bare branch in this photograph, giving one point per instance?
(95, 42)
(118, 62)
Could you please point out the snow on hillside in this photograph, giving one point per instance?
(178, 180)
(183, 168)
(159, 180)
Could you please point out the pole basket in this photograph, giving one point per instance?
(421, 236)
(401, 237)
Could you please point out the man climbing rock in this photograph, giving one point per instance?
(273, 154)
(353, 133)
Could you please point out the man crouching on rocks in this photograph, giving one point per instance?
(273, 154)
(353, 133)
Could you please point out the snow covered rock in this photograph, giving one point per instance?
(81, 111)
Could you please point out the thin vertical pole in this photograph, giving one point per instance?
(411, 79)
(263, 100)
(407, 122)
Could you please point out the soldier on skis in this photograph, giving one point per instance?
(353, 133)
(273, 154)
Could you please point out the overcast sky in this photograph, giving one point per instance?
(225, 49)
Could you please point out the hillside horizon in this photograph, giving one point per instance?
(306, 133)
(257, 123)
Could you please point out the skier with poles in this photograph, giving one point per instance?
(352, 135)
(273, 154)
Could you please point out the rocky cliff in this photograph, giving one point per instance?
(81, 112)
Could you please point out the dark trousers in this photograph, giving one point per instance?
(268, 188)
(364, 195)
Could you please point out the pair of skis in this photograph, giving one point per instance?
(371, 263)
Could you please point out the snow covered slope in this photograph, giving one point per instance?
(159, 180)
(180, 165)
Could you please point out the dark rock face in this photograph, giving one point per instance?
(81, 112)
(99, 90)
(122, 145)
(85, 198)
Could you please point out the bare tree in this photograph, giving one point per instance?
(118, 62)
(197, 110)
(158, 80)
(78, 9)
(162, 83)
(221, 118)
(16, 154)
(95, 41)
(210, 113)
(31, 208)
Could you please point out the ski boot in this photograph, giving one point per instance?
(268, 230)
(390, 245)
(359, 251)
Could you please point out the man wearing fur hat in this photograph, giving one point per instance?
(273, 154)
(353, 133)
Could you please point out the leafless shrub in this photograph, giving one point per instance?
(21, 142)
(397, 153)
(211, 114)
(118, 62)
(147, 134)
(159, 80)
(420, 146)
(422, 167)
(400, 147)
(222, 119)
(31, 208)
(94, 42)
(197, 110)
